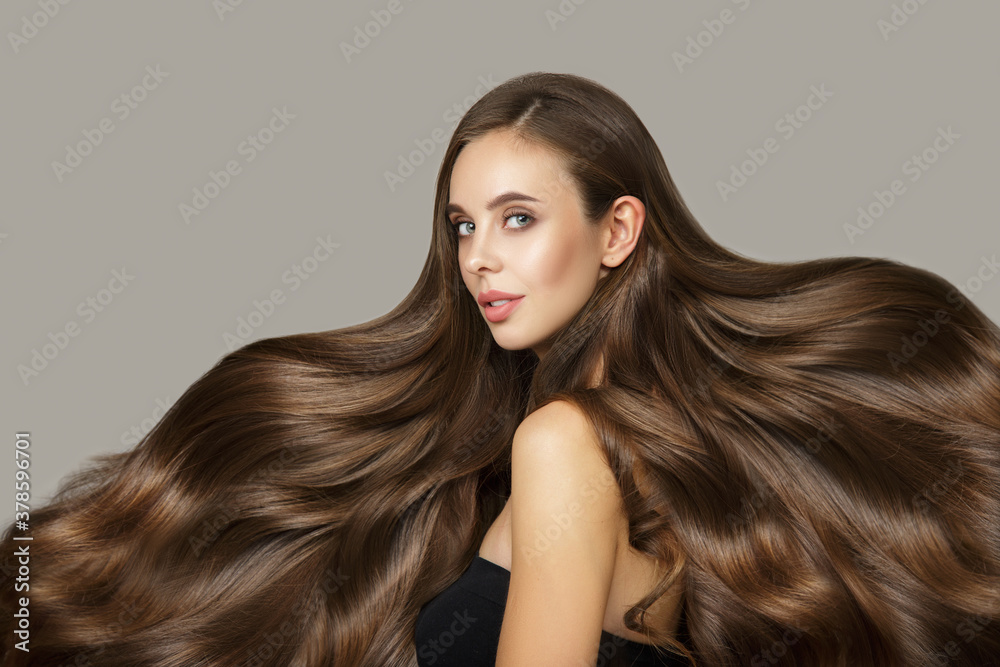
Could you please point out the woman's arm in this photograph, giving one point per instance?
(566, 521)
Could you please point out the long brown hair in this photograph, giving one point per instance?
(813, 447)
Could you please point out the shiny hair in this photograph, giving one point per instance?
(813, 448)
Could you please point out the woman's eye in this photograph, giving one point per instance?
(519, 215)
(518, 225)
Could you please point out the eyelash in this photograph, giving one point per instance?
(510, 214)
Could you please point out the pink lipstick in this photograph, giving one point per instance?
(498, 312)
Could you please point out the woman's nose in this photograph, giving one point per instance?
(482, 252)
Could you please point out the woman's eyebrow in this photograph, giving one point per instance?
(497, 201)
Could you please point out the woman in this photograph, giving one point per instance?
(782, 462)
(517, 217)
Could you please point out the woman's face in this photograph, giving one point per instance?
(521, 231)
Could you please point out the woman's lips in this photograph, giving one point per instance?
(498, 313)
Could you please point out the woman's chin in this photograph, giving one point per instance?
(511, 343)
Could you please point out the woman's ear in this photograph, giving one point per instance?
(620, 231)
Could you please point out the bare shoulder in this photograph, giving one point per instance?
(560, 423)
(566, 525)
(559, 439)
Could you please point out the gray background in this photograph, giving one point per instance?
(323, 175)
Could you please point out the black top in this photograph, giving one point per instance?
(461, 626)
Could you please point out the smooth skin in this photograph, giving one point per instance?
(568, 532)
(544, 249)
(563, 561)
